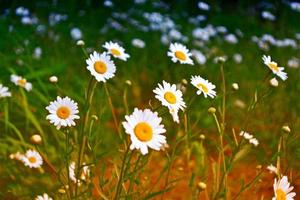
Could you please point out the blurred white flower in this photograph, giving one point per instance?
(76, 33)
(37, 53)
(249, 137)
(272, 169)
(268, 16)
(108, 3)
(4, 92)
(138, 43)
(20, 81)
(293, 63)
(231, 38)
(238, 58)
(203, 5)
(43, 197)
(295, 6)
(199, 56)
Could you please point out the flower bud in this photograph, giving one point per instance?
(36, 139)
(235, 86)
(212, 110)
(202, 137)
(274, 82)
(184, 81)
(201, 186)
(53, 79)
(80, 43)
(286, 129)
(128, 82)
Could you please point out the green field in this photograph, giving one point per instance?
(255, 107)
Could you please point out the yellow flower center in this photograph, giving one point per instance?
(115, 52)
(100, 67)
(32, 159)
(273, 66)
(22, 82)
(180, 55)
(170, 97)
(202, 87)
(143, 131)
(63, 112)
(280, 194)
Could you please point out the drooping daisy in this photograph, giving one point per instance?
(145, 130)
(62, 111)
(20, 81)
(101, 66)
(84, 173)
(116, 50)
(274, 67)
(170, 97)
(4, 92)
(179, 52)
(272, 169)
(282, 189)
(204, 86)
(32, 159)
(43, 197)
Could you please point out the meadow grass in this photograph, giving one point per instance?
(205, 147)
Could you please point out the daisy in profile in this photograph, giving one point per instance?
(145, 130)
(101, 66)
(62, 111)
(179, 52)
(20, 81)
(32, 159)
(204, 86)
(170, 97)
(282, 189)
(43, 197)
(116, 50)
(274, 67)
(84, 173)
(4, 92)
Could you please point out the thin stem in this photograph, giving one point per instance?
(112, 111)
(67, 163)
(278, 157)
(89, 96)
(121, 174)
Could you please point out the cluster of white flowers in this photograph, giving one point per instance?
(249, 137)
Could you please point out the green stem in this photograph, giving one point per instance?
(121, 174)
(112, 111)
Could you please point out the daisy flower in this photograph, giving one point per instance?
(204, 86)
(32, 159)
(84, 173)
(101, 66)
(274, 67)
(62, 111)
(249, 137)
(20, 81)
(170, 97)
(4, 92)
(116, 50)
(43, 197)
(145, 130)
(282, 189)
(179, 52)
